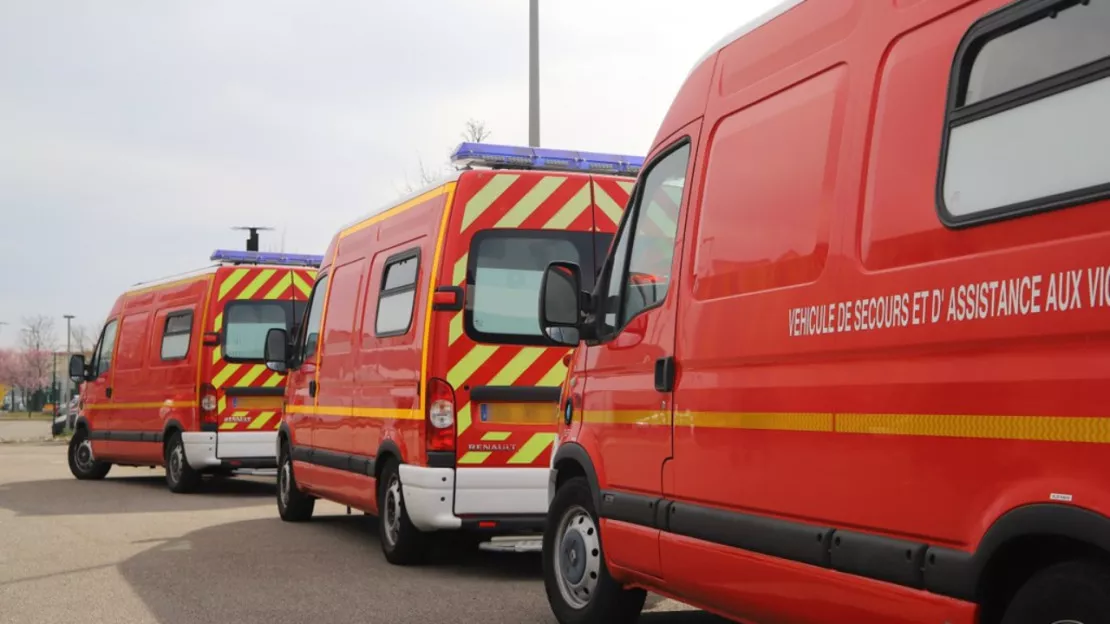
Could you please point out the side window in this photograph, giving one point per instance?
(176, 335)
(398, 294)
(103, 355)
(642, 256)
(1029, 86)
(312, 321)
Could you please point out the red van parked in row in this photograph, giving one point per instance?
(177, 377)
(420, 387)
(845, 360)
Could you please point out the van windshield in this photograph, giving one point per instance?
(504, 274)
(247, 322)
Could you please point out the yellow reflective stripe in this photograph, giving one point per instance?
(459, 275)
(218, 324)
(533, 448)
(496, 436)
(469, 363)
(455, 329)
(516, 366)
(483, 199)
(221, 405)
(251, 375)
(217, 353)
(261, 421)
(278, 290)
(151, 405)
(256, 284)
(273, 380)
(555, 376)
(626, 185)
(606, 203)
(225, 374)
(463, 419)
(532, 200)
(475, 457)
(232, 279)
(382, 413)
(228, 425)
(302, 285)
(571, 210)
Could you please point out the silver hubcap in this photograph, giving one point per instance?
(83, 456)
(283, 483)
(391, 512)
(177, 457)
(577, 557)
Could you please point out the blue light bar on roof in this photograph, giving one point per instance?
(266, 257)
(487, 155)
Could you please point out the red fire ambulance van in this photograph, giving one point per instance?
(845, 361)
(177, 377)
(420, 389)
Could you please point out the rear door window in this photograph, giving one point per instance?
(246, 326)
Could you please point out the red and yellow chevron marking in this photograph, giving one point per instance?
(525, 201)
(262, 283)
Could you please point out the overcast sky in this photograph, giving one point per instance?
(134, 134)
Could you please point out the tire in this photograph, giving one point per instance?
(579, 587)
(293, 504)
(402, 543)
(82, 463)
(1073, 592)
(180, 476)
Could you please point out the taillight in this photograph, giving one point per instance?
(208, 404)
(440, 416)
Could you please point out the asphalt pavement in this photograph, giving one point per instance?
(126, 550)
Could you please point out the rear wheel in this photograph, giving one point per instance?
(1073, 592)
(180, 476)
(293, 504)
(82, 463)
(402, 543)
(579, 588)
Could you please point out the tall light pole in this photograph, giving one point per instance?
(534, 73)
(69, 335)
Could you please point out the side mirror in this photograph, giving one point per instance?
(276, 350)
(561, 303)
(77, 368)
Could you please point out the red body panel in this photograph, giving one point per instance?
(839, 361)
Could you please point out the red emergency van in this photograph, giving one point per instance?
(420, 388)
(177, 377)
(845, 362)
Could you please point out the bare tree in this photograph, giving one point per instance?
(39, 342)
(476, 131)
(81, 339)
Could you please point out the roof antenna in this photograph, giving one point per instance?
(252, 239)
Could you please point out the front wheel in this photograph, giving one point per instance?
(579, 588)
(402, 542)
(180, 476)
(1073, 592)
(82, 463)
(293, 504)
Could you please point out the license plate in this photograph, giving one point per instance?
(254, 403)
(517, 413)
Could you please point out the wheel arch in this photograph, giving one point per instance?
(387, 450)
(571, 460)
(171, 427)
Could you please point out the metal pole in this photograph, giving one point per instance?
(534, 74)
(69, 353)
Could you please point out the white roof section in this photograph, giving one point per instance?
(451, 177)
(765, 18)
(169, 279)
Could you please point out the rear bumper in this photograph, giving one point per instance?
(494, 500)
(230, 449)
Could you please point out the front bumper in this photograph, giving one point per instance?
(230, 449)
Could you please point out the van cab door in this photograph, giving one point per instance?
(627, 397)
(98, 389)
(300, 389)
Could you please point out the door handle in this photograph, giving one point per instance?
(312, 388)
(664, 374)
(108, 392)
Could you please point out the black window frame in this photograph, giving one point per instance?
(989, 27)
(94, 366)
(587, 243)
(629, 220)
(397, 258)
(290, 311)
(166, 333)
(320, 285)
